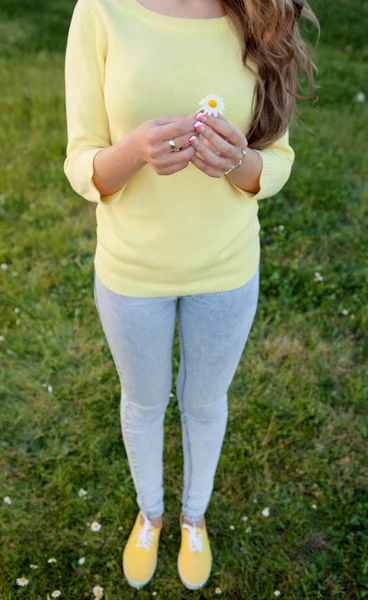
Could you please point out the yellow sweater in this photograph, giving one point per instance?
(185, 233)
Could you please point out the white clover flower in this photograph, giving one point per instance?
(56, 593)
(34, 566)
(213, 104)
(7, 499)
(266, 512)
(49, 388)
(4, 266)
(248, 529)
(281, 228)
(345, 311)
(95, 526)
(82, 493)
(360, 97)
(82, 560)
(52, 560)
(232, 527)
(16, 310)
(314, 506)
(245, 518)
(318, 276)
(277, 592)
(98, 591)
(22, 581)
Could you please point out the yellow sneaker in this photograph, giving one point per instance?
(140, 553)
(195, 557)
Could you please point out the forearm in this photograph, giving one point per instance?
(115, 165)
(247, 176)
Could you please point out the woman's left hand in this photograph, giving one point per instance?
(221, 148)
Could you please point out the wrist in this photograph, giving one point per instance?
(133, 142)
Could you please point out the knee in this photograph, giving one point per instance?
(137, 412)
(215, 410)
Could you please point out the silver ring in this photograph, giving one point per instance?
(172, 145)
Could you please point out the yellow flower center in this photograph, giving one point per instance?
(98, 595)
(212, 103)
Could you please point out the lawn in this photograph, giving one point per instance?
(297, 435)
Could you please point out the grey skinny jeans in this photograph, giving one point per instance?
(213, 328)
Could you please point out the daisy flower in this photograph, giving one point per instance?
(56, 593)
(266, 512)
(82, 493)
(213, 104)
(82, 560)
(22, 581)
(52, 559)
(95, 526)
(34, 566)
(318, 276)
(218, 590)
(7, 499)
(277, 592)
(98, 591)
(360, 97)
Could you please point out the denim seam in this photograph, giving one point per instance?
(185, 420)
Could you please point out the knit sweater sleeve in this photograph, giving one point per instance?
(87, 121)
(278, 158)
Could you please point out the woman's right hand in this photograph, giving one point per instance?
(153, 146)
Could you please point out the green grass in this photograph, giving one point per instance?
(297, 431)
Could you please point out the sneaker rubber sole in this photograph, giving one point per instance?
(191, 586)
(138, 584)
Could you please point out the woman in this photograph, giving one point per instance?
(177, 217)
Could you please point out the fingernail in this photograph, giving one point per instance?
(193, 139)
(198, 126)
(202, 117)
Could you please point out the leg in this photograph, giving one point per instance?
(213, 328)
(140, 333)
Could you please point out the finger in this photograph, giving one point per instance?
(217, 141)
(209, 156)
(176, 128)
(221, 126)
(206, 168)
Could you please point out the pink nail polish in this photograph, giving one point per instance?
(202, 117)
(193, 139)
(198, 126)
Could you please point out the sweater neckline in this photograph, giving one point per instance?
(177, 22)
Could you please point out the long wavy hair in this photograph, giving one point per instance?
(270, 35)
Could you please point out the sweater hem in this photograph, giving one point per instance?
(175, 290)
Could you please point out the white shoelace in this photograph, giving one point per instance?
(195, 539)
(146, 536)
